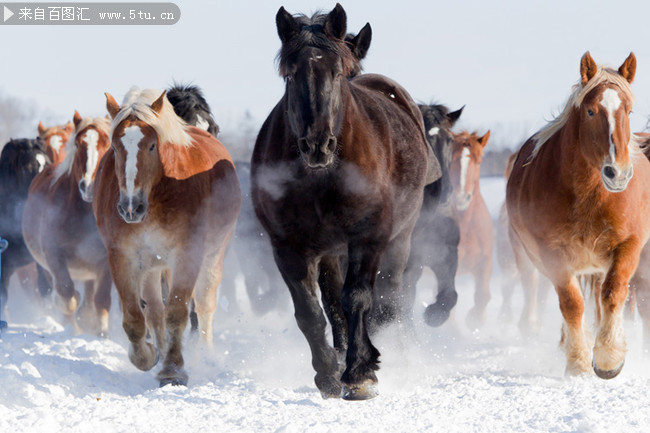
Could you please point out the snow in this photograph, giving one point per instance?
(258, 376)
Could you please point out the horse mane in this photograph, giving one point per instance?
(168, 126)
(476, 151)
(65, 167)
(14, 162)
(604, 75)
(312, 34)
(188, 102)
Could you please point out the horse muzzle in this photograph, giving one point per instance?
(86, 191)
(615, 179)
(463, 201)
(133, 209)
(317, 154)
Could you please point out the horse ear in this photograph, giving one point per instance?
(286, 24)
(454, 115)
(588, 68)
(76, 118)
(41, 128)
(361, 42)
(111, 105)
(628, 68)
(483, 140)
(336, 23)
(157, 105)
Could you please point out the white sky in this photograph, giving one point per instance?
(512, 63)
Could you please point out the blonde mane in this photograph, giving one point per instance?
(168, 126)
(101, 123)
(604, 75)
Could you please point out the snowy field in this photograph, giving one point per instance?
(258, 377)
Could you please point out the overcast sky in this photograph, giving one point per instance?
(512, 63)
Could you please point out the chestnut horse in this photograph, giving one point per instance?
(60, 231)
(476, 231)
(578, 200)
(166, 200)
(55, 139)
(338, 172)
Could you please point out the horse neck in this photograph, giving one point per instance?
(579, 175)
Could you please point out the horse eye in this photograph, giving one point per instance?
(590, 113)
(153, 146)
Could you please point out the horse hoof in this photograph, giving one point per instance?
(171, 374)
(173, 381)
(328, 386)
(607, 374)
(142, 360)
(361, 391)
(435, 316)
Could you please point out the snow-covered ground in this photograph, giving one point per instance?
(258, 377)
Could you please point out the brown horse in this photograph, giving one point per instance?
(166, 200)
(578, 200)
(55, 138)
(474, 220)
(60, 230)
(338, 174)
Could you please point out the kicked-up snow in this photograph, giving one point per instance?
(257, 377)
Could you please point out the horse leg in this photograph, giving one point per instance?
(575, 344)
(153, 308)
(205, 294)
(127, 280)
(476, 315)
(299, 275)
(529, 321)
(86, 316)
(102, 300)
(362, 358)
(6, 272)
(44, 281)
(330, 281)
(389, 302)
(184, 279)
(68, 298)
(444, 263)
(610, 347)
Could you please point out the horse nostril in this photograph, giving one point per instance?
(120, 209)
(303, 145)
(331, 144)
(609, 172)
(140, 209)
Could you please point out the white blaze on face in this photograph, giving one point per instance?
(56, 143)
(132, 136)
(611, 102)
(41, 162)
(464, 164)
(434, 131)
(202, 123)
(91, 137)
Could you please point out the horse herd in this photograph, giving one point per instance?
(356, 187)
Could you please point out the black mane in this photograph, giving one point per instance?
(188, 102)
(18, 164)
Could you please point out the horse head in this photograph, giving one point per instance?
(315, 62)
(603, 120)
(141, 132)
(467, 154)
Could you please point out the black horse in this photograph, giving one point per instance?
(338, 174)
(21, 160)
(436, 234)
(190, 105)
